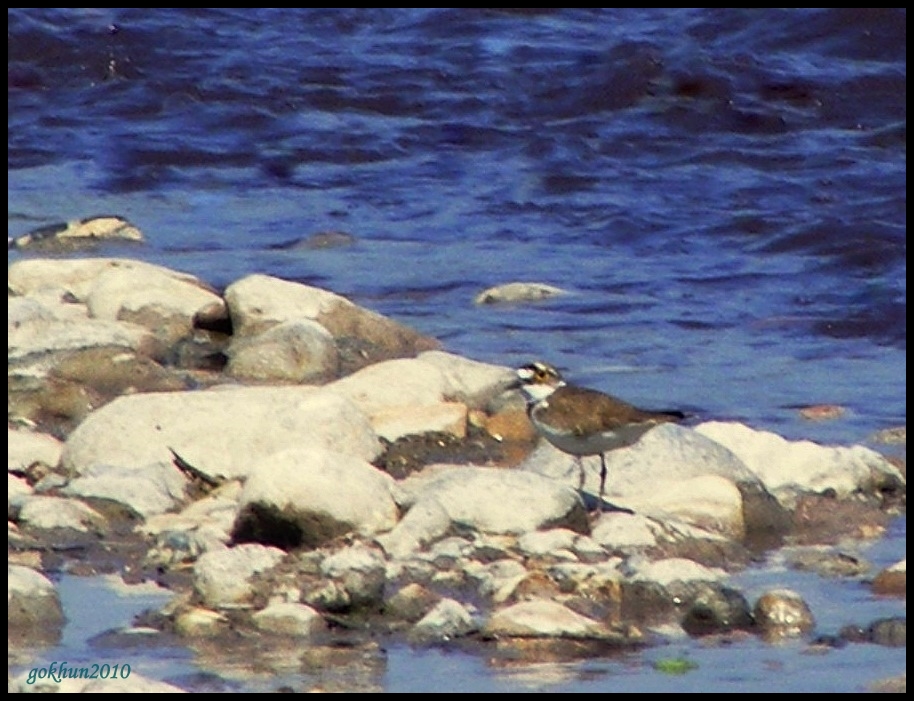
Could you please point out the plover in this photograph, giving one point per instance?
(581, 421)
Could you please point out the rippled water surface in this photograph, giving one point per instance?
(722, 191)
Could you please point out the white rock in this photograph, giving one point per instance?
(200, 622)
(513, 292)
(788, 468)
(355, 558)
(323, 493)
(424, 523)
(145, 489)
(55, 512)
(447, 620)
(588, 549)
(43, 305)
(496, 500)
(709, 502)
(648, 477)
(221, 432)
(17, 489)
(62, 236)
(451, 550)
(287, 618)
(543, 543)
(393, 383)
(24, 448)
(676, 569)
(156, 298)
(258, 302)
(621, 531)
(77, 276)
(222, 577)
(542, 618)
(469, 381)
(400, 421)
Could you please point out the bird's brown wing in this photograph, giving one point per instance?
(584, 411)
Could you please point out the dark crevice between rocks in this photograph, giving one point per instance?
(267, 526)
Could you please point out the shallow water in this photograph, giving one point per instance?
(723, 193)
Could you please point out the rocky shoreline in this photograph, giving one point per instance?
(300, 470)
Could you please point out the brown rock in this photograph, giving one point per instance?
(822, 412)
(892, 581)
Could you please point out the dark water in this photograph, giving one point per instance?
(724, 191)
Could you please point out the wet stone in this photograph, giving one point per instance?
(783, 613)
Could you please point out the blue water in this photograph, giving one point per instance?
(723, 191)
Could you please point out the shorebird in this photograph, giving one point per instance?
(581, 421)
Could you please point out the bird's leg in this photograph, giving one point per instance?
(602, 478)
(580, 462)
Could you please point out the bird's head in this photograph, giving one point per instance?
(538, 380)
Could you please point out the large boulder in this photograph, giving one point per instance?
(259, 302)
(306, 496)
(223, 432)
(790, 468)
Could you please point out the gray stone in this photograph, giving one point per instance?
(288, 618)
(258, 302)
(292, 351)
(33, 606)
